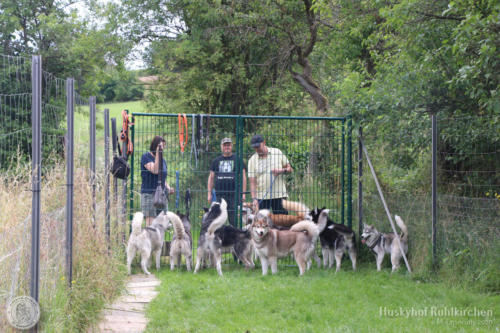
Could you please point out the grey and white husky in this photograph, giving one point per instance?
(382, 243)
(181, 241)
(147, 241)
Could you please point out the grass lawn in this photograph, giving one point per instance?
(320, 301)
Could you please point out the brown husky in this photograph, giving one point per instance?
(271, 244)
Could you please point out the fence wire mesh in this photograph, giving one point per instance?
(468, 190)
(315, 148)
(15, 187)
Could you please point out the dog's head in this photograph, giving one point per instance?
(162, 220)
(368, 232)
(261, 224)
(314, 213)
(247, 216)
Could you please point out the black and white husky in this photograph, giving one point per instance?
(147, 241)
(382, 243)
(216, 237)
(181, 241)
(335, 239)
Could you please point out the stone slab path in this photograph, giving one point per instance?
(126, 314)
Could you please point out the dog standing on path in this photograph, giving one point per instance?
(147, 242)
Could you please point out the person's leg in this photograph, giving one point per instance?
(147, 208)
(265, 204)
(277, 206)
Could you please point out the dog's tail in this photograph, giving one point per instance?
(307, 226)
(402, 226)
(137, 223)
(298, 207)
(322, 219)
(219, 220)
(179, 231)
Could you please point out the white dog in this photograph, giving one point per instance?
(147, 241)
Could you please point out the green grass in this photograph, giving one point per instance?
(320, 301)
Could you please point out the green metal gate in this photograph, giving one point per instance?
(318, 148)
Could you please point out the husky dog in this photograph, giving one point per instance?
(147, 241)
(181, 241)
(247, 216)
(335, 239)
(382, 243)
(271, 244)
(208, 243)
(281, 221)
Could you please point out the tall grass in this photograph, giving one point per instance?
(97, 274)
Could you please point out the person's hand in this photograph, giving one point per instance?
(170, 190)
(255, 204)
(209, 197)
(277, 172)
(243, 197)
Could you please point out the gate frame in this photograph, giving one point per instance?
(240, 121)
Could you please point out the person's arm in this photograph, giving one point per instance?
(253, 192)
(210, 185)
(244, 184)
(154, 167)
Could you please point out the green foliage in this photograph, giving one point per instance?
(120, 86)
(70, 45)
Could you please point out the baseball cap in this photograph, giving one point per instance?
(226, 140)
(256, 140)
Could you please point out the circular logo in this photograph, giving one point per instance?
(23, 312)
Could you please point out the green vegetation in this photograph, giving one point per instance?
(320, 301)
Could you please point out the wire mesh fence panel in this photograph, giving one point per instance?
(314, 147)
(15, 197)
(469, 194)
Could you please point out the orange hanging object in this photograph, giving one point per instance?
(183, 130)
(126, 123)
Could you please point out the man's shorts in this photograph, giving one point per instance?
(147, 207)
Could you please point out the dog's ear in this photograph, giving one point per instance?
(205, 209)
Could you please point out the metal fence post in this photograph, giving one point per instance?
(115, 180)
(69, 177)
(434, 188)
(106, 170)
(342, 180)
(349, 171)
(124, 182)
(92, 102)
(36, 137)
(360, 183)
(132, 137)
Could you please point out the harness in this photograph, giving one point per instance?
(373, 242)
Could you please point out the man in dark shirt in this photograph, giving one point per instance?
(223, 174)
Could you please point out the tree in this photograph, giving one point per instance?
(231, 56)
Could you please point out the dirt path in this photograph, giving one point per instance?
(127, 313)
